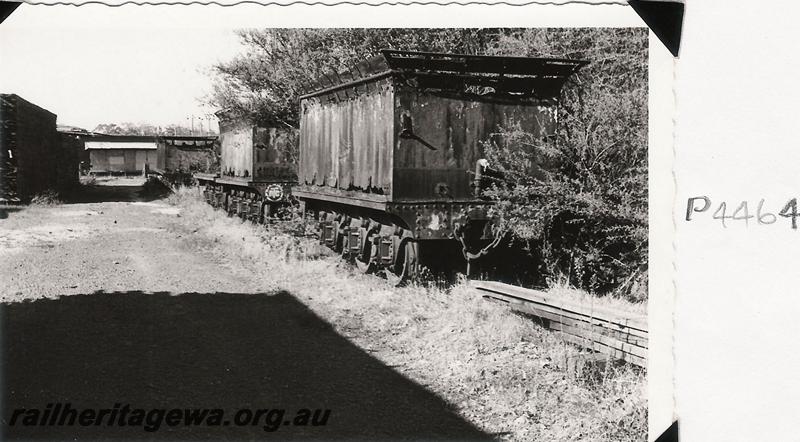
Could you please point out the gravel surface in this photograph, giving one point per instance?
(129, 309)
(110, 246)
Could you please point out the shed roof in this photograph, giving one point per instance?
(138, 145)
(16, 99)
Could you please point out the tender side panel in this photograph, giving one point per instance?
(237, 150)
(457, 128)
(274, 154)
(347, 144)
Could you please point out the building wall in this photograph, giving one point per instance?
(187, 155)
(72, 147)
(31, 158)
(122, 160)
(188, 159)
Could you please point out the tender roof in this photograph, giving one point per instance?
(526, 76)
(481, 64)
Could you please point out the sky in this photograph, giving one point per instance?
(150, 64)
(89, 76)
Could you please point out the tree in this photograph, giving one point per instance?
(144, 129)
(588, 215)
(264, 83)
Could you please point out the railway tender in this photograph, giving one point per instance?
(256, 169)
(391, 150)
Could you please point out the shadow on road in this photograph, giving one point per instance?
(221, 350)
(116, 190)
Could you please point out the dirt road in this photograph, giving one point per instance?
(108, 246)
(137, 313)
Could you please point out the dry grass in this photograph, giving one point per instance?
(47, 198)
(498, 370)
(571, 294)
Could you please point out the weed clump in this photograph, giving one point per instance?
(46, 199)
(154, 187)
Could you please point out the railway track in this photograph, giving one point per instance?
(619, 335)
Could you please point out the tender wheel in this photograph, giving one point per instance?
(366, 268)
(266, 213)
(327, 231)
(230, 204)
(242, 206)
(338, 240)
(365, 261)
(407, 262)
(254, 210)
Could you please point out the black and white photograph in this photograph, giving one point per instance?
(323, 233)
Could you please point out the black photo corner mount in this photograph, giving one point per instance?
(665, 18)
(6, 8)
(670, 435)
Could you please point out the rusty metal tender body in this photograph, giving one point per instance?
(256, 169)
(388, 149)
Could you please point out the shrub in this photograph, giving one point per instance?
(585, 208)
(154, 187)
